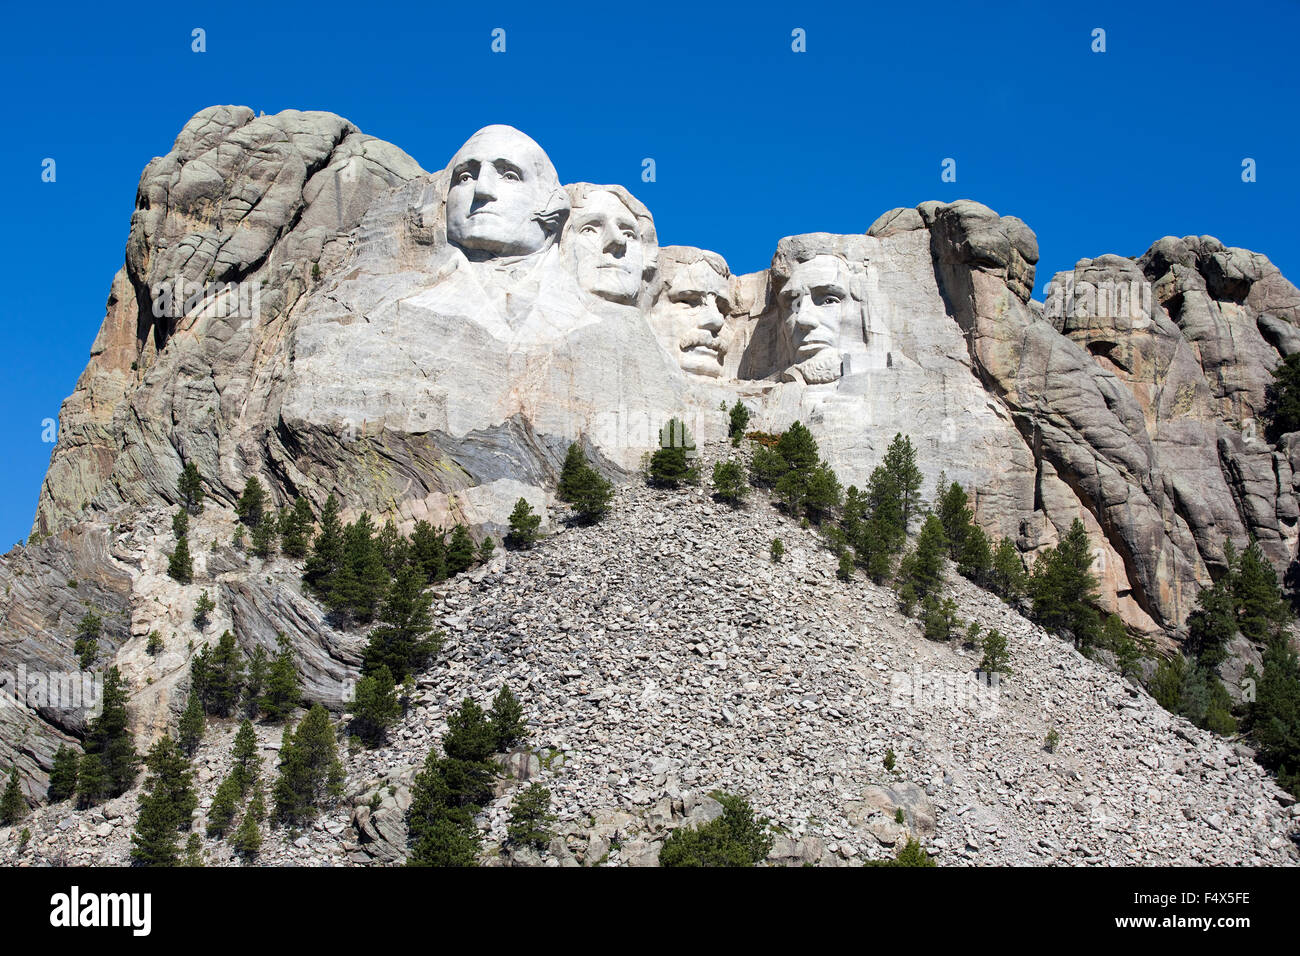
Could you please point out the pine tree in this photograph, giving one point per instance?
(951, 505)
(181, 523)
(192, 725)
(310, 773)
(326, 559)
(92, 784)
(1211, 625)
(247, 841)
(217, 675)
(13, 805)
(362, 581)
(446, 841)
(460, 553)
(282, 687)
(246, 765)
(530, 817)
(668, 466)
(86, 645)
(845, 569)
(193, 851)
(1261, 608)
(486, 548)
(225, 804)
(575, 463)
(798, 448)
(900, 464)
(1007, 576)
(524, 523)
(165, 807)
(154, 840)
(729, 482)
(251, 506)
(939, 618)
(1274, 717)
(109, 740)
(171, 771)
(822, 493)
(180, 566)
(995, 653)
(777, 550)
(975, 557)
(375, 707)
(202, 610)
(592, 495)
(255, 682)
(887, 523)
(295, 528)
(1282, 399)
(429, 551)
(63, 775)
(921, 572)
(507, 719)
(393, 548)
(404, 641)
(767, 467)
(737, 422)
(1064, 589)
(1167, 683)
(263, 538)
(190, 488)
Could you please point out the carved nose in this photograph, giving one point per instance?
(802, 314)
(485, 186)
(615, 243)
(712, 321)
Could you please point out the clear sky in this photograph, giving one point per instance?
(1097, 152)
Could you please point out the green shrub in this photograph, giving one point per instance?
(733, 839)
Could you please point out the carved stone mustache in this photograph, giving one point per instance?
(702, 337)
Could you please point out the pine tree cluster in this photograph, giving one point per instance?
(451, 788)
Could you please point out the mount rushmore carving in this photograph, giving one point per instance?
(427, 345)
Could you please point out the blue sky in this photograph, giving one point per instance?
(1097, 152)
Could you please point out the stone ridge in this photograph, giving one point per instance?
(417, 378)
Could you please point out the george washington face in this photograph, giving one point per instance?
(503, 194)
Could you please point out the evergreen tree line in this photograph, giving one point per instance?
(108, 765)
(223, 680)
(450, 789)
(353, 569)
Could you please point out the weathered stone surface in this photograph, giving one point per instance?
(426, 345)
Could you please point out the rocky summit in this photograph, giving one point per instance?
(304, 304)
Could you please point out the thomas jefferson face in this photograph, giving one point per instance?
(500, 188)
(816, 307)
(607, 247)
(690, 322)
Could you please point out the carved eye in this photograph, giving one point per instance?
(510, 175)
(629, 233)
(464, 177)
(828, 299)
(590, 229)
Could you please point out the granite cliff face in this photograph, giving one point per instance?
(305, 303)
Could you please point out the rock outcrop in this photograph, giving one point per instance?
(305, 303)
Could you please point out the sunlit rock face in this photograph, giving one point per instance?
(428, 344)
